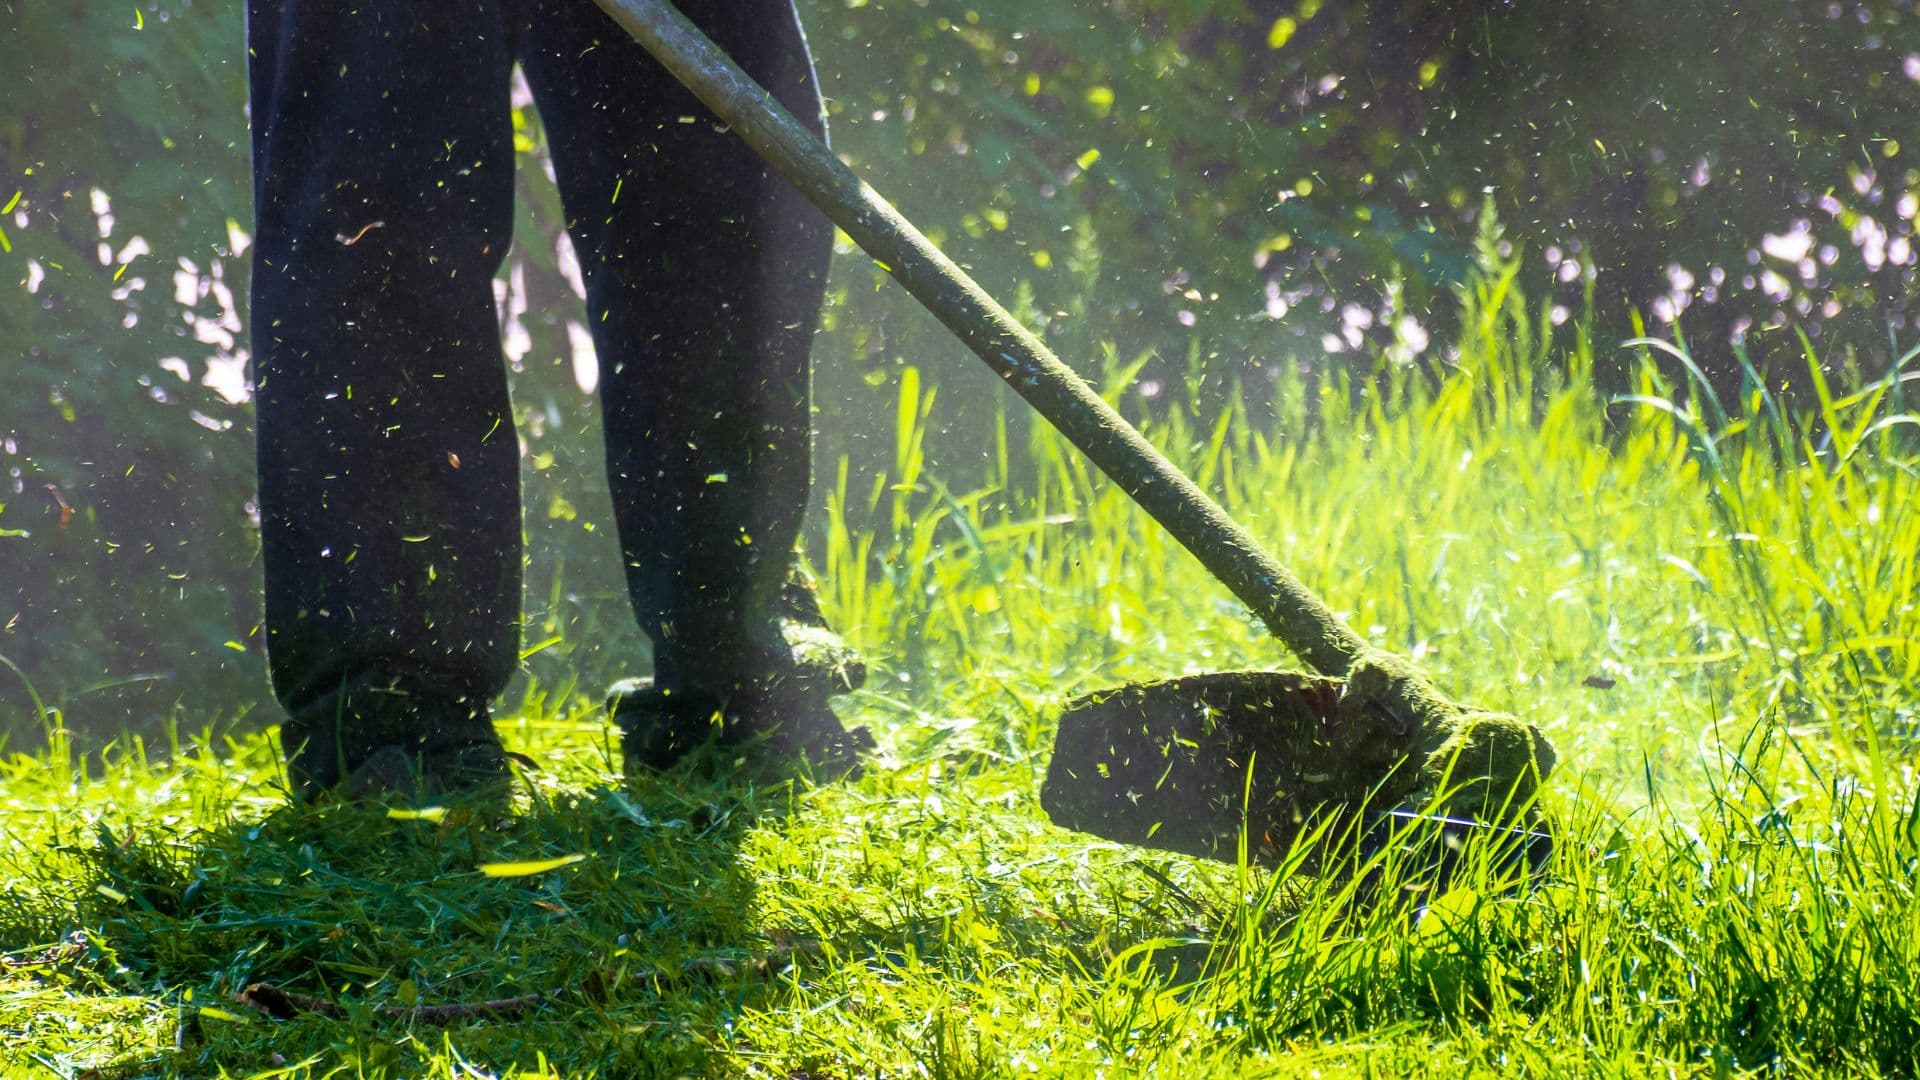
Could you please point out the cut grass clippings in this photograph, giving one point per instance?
(1712, 618)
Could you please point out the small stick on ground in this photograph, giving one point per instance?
(286, 1005)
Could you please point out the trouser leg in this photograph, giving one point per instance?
(704, 275)
(389, 482)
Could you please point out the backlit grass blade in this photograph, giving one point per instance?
(528, 869)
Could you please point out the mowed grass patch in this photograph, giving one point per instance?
(1710, 617)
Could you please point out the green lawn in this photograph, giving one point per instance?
(1711, 618)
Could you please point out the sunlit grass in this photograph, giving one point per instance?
(1711, 618)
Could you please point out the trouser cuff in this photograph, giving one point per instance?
(328, 738)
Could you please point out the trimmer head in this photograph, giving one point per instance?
(1183, 765)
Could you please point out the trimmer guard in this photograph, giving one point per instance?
(1185, 764)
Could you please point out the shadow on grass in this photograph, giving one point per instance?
(626, 908)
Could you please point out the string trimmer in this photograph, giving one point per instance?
(1189, 763)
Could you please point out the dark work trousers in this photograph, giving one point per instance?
(389, 472)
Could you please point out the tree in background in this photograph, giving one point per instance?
(1312, 170)
(125, 460)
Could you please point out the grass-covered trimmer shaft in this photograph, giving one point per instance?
(1382, 737)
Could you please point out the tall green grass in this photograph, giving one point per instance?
(1501, 523)
(1708, 605)
(1705, 603)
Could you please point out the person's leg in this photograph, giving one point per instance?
(389, 473)
(704, 275)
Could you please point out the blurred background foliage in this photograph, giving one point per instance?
(1204, 193)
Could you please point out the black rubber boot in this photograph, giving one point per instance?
(781, 710)
(392, 735)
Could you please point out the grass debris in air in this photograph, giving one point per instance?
(1710, 618)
